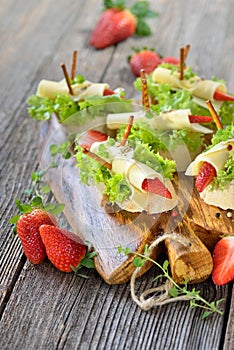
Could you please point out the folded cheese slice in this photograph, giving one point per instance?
(50, 89)
(135, 173)
(201, 88)
(217, 156)
(170, 120)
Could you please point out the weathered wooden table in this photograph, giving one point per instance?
(40, 307)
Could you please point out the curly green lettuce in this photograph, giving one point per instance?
(162, 140)
(225, 176)
(144, 154)
(222, 135)
(41, 108)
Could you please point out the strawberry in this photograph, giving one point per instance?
(170, 60)
(143, 59)
(157, 187)
(223, 261)
(200, 119)
(206, 175)
(108, 92)
(64, 249)
(92, 136)
(117, 23)
(221, 96)
(28, 231)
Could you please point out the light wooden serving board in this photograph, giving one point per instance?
(106, 229)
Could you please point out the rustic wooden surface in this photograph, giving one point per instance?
(40, 307)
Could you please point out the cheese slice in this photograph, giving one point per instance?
(114, 121)
(223, 199)
(217, 156)
(94, 89)
(170, 120)
(50, 89)
(179, 119)
(138, 172)
(204, 89)
(135, 173)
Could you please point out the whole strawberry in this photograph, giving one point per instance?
(63, 248)
(144, 58)
(117, 23)
(27, 228)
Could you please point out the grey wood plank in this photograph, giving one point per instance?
(50, 310)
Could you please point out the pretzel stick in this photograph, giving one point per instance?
(145, 95)
(182, 63)
(73, 68)
(186, 51)
(127, 130)
(67, 78)
(214, 115)
(97, 158)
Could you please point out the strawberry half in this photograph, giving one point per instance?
(200, 119)
(205, 176)
(144, 59)
(223, 260)
(28, 231)
(108, 92)
(221, 96)
(157, 187)
(92, 136)
(63, 248)
(117, 23)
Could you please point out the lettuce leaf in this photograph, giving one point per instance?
(162, 140)
(116, 187)
(222, 135)
(167, 99)
(144, 154)
(225, 176)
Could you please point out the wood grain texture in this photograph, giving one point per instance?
(41, 308)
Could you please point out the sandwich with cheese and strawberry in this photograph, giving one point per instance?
(214, 170)
(136, 179)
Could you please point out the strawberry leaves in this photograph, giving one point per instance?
(141, 11)
(119, 4)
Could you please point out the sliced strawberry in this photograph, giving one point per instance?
(200, 119)
(92, 136)
(28, 231)
(223, 260)
(144, 59)
(221, 96)
(63, 248)
(170, 60)
(108, 92)
(205, 177)
(157, 187)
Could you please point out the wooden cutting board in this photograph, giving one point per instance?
(106, 227)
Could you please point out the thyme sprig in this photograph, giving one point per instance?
(192, 295)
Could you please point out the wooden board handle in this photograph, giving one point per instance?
(194, 261)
